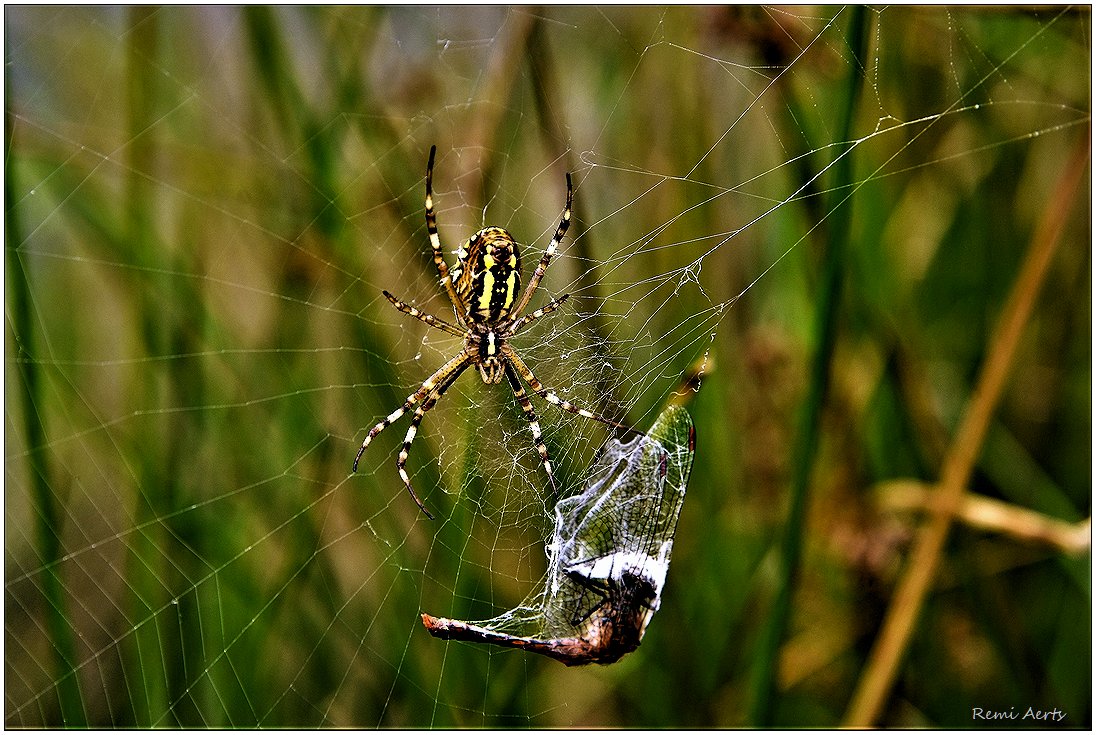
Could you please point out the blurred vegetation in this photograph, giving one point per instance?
(202, 205)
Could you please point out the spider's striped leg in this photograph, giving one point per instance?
(542, 266)
(460, 364)
(527, 407)
(386, 422)
(518, 325)
(435, 240)
(424, 390)
(513, 359)
(422, 316)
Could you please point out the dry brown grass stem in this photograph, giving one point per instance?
(902, 614)
(987, 514)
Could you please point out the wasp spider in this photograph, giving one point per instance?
(484, 289)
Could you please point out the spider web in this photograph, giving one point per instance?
(609, 553)
(203, 206)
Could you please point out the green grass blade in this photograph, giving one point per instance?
(809, 431)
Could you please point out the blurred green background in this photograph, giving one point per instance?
(203, 204)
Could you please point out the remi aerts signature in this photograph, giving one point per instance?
(1030, 714)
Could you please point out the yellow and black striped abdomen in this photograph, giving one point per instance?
(489, 280)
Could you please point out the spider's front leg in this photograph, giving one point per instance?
(431, 400)
(527, 408)
(431, 390)
(519, 365)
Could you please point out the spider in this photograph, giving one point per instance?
(484, 290)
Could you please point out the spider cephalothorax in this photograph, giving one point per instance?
(484, 291)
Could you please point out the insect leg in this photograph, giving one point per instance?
(423, 317)
(435, 240)
(546, 259)
(451, 371)
(550, 396)
(527, 407)
(518, 325)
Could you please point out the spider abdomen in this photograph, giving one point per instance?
(490, 275)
